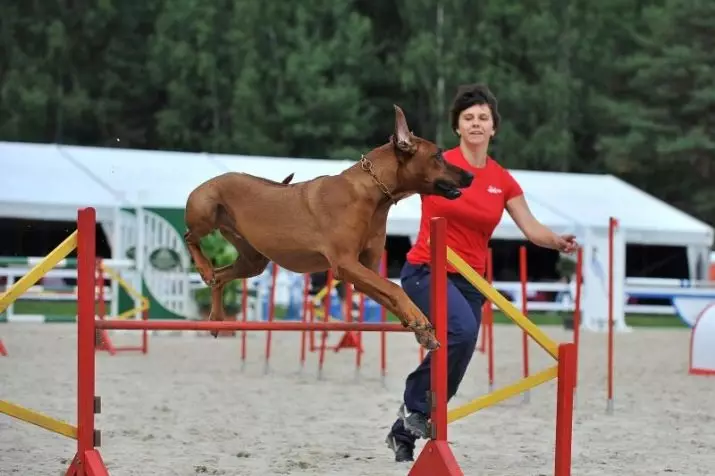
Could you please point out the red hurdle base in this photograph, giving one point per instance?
(349, 340)
(436, 458)
(91, 465)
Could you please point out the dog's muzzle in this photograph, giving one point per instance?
(447, 190)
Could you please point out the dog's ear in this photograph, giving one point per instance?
(403, 137)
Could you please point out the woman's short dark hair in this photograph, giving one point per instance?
(467, 96)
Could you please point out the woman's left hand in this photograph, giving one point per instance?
(565, 243)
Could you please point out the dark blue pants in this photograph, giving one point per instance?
(464, 315)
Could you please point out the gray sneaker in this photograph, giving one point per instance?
(414, 422)
(403, 451)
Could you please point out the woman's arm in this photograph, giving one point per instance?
(534, 230)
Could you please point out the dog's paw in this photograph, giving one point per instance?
(208, 278)
(427, 340)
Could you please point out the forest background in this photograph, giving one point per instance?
(609, 86)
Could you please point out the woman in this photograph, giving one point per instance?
(471, 220)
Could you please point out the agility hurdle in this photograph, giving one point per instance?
(702, 344)
(486, 333)
(35, 274)
(350, 339)
(313, 307)
(437, 457)
(66, 268)
(87, 460)
(143, 309)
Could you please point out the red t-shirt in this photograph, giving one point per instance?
(472, 218)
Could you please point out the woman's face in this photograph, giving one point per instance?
(476, 125)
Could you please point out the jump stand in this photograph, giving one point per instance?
(104, 341)
(702, 343)
(437, 458)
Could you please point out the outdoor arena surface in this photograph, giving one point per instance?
(187, 407)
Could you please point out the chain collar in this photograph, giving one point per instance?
(366, 165)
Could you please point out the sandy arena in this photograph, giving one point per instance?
(187, 408)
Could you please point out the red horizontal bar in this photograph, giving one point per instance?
(247, 326)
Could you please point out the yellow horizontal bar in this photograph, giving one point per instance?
(502, 303)
(122, 282)
(321, 315)
(43, 421)
(38, 271)
(502, 394)
(130, 312)
(321, 294)
(131, 290)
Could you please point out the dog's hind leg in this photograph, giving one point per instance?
(248, 264)
(203, 265)
(201, 217)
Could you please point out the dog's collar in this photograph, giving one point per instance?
(366, 165)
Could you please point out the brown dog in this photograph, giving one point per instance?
(337, 222)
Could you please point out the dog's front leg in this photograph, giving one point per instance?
(392, 297)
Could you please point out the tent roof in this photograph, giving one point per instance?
(47, 181)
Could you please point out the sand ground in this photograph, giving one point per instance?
(189, 408)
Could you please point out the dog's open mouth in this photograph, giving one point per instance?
(447, 190)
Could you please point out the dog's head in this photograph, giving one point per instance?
(421, 165)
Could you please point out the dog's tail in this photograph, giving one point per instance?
(288, 179)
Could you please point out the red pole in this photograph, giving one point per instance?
(577, 307)
(490, 323)
(145, 334)
(244, 312)
(439, 315)
(326, 319)
(483, 334)
(566, 384)
(361, 319)
(87, 461)
(611, 230)
(311, 319)
(304, 317)
(436, 457)
(354, 337)
(271, 313)
(383, 320)
(101, 306)
(189, 325)
(86, 240)
(105, 343)
(524, 310)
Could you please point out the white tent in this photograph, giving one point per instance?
(140, 195)
(45, 181)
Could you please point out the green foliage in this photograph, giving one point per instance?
(603, 87)
(220, 253)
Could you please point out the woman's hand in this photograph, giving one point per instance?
(565, 243)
